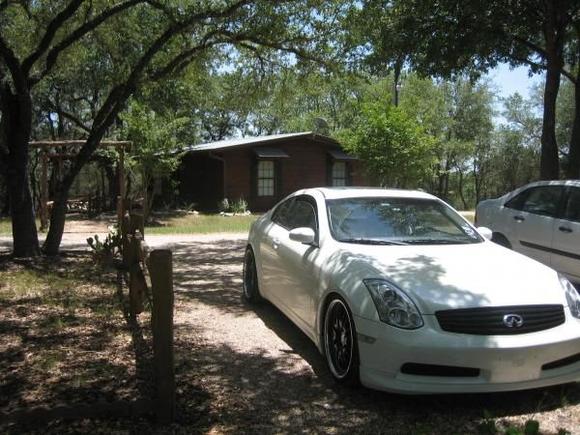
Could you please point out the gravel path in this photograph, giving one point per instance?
(256, 372)
(247, 369)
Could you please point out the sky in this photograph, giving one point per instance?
(508, 81)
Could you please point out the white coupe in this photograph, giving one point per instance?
(402, 294)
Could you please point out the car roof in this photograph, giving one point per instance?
(362, 192)
(554, 183)
(542, 183)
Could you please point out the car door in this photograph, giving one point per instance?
(272, 268)
(566, 242)
(532, 217)
(300, 274)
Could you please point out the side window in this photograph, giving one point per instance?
(339, 174)
(543, 200)
(572, 209)
(303, 214)
(282, 213)
(266, 178)
(517, 202)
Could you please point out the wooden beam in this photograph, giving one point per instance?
(44, 192)
(123, 144)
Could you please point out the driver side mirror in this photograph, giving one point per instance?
(485, 232)
(303, 235)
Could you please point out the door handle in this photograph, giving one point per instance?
(275, 243)
(519, 218)
(565, 229)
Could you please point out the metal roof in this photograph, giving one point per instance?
(237, 142)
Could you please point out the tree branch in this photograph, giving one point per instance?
(74, 119)
(13, 64)
(119, 94)
(78, 33)
(55, 24)
(540, 66)
(534, 47)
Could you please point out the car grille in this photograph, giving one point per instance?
(490, 320)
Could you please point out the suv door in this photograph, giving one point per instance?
(533, 212)
(566, 243)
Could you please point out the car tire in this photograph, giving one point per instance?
(251, 291)
(501, 240)
(340, 342)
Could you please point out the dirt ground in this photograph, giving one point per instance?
(248, 369)
(256, 372)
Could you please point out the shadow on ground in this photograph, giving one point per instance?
(258, 390)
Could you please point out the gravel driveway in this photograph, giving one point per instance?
(247, 369)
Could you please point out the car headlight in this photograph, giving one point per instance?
(572, 296)
(393, 305)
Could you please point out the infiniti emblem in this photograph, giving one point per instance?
(513, 320)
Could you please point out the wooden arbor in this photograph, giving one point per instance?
(53, 150)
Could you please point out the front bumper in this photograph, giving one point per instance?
(505, 363)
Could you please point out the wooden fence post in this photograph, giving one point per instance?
(137, 223)
(125, 243)
(161, 272)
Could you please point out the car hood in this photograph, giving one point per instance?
(459, 276)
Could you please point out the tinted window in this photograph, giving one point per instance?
(397, 221)
(572, 208)
(517, 202)
(543, 200)
(302, 214)
(282, 213)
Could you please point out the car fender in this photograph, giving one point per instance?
(345, 275)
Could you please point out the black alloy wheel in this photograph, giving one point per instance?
(340, 344)
(251, 291)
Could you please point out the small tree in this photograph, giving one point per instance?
(394, 147)
(155, 155)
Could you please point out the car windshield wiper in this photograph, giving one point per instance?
(372, 241)
(436, 242)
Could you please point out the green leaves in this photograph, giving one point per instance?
(394, 147)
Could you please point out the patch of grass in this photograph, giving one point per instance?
(203, 224)
(63, 337)
(5, 226)
(48, 287)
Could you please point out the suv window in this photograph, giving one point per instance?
(303, 214)
(543, 200)
(572, 209)
(517, 202)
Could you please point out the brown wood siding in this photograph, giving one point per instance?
(308, 165)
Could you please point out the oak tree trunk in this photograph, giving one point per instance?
(57, 220)
(549, 161)
(15, 133)
(573, 168)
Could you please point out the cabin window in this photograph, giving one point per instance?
(339, 174)
(266, 178)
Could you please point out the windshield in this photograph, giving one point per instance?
(397, 221)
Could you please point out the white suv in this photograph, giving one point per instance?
(541, 220)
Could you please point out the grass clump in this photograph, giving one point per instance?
(203, 224)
